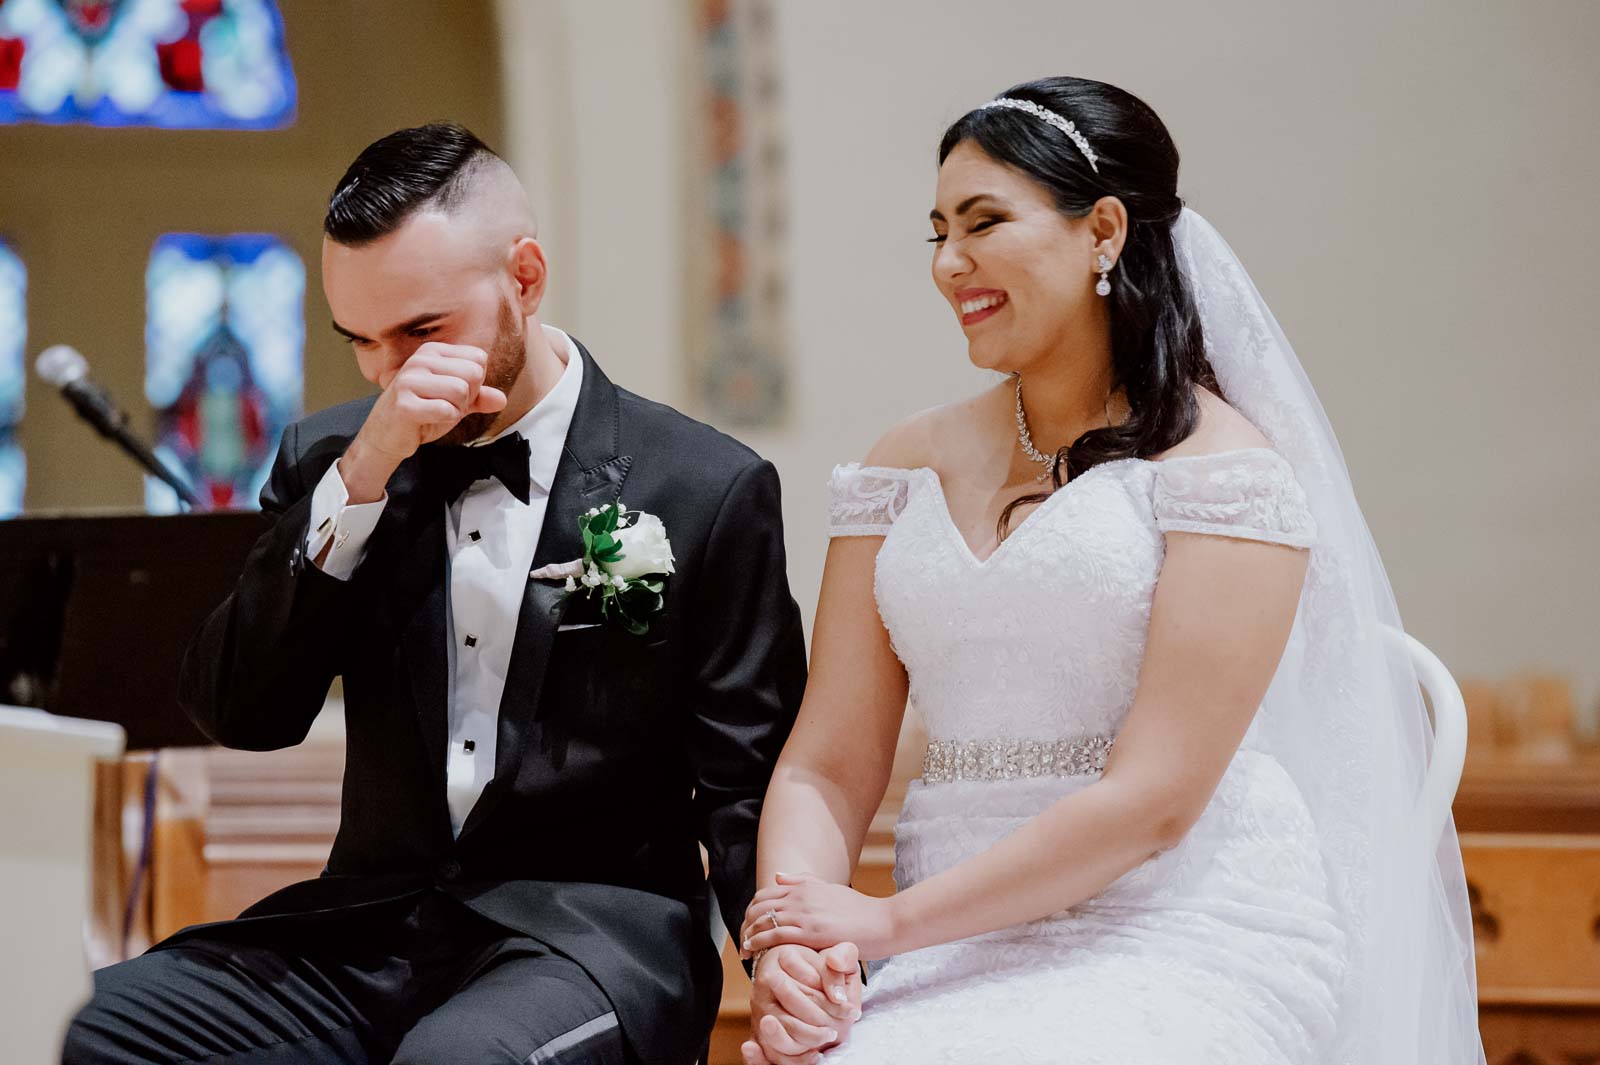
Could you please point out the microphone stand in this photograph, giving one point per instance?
(112, 423)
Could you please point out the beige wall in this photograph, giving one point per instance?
(1407, 183)
(1407, 186)
(83, 207)
(594, 121)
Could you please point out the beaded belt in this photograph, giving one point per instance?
(948, 760)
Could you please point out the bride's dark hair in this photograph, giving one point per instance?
(1157, 347)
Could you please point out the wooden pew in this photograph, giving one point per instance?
(235, 826)
(1528, 811)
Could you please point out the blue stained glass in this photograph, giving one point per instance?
(224, 341)
(13, 376)
(182, 64)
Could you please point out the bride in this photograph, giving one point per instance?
(1166, 813)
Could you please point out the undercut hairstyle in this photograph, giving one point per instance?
(398, 175)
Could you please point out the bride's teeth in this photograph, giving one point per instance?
(980, 304)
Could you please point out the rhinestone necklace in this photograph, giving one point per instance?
(1025, 438)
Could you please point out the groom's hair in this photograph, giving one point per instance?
(395, 176)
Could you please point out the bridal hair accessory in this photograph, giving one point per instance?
(1047, 115)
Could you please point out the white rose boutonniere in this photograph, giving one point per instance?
(625, 556)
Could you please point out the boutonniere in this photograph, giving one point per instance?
(626, 554)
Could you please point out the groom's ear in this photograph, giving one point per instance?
(531, 272)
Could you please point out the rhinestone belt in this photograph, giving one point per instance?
(948, 760)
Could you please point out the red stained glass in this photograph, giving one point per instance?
(11, 52)
(181, 65)
(184, 64)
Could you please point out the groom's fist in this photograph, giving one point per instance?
(434, 389)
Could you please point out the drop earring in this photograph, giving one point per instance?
(1103, 264)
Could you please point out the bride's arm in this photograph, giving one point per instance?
(1219, 622)
(835, 767)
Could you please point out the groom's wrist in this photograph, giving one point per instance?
(366, 471)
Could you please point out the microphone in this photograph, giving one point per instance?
(63, 367)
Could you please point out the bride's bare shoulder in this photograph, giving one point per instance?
(1221, 428)
(931, 438)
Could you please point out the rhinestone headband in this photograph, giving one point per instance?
(1047, 115)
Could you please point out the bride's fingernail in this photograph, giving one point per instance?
(833, 1036)
(838, 994)
(747, 944)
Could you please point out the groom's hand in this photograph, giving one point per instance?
(802, 1002)
(436, 387)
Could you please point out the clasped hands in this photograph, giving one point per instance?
(807, 989)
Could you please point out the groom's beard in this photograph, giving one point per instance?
(507, 356)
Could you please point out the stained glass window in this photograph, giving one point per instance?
(186, 64)
(224, 342)
(13, 336)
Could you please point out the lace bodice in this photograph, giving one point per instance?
(1038, 648)
(1044, 638)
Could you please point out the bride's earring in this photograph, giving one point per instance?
(1103, 264)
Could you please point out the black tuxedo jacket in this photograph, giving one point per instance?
(617, 754)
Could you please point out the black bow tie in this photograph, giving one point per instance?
(452, 469)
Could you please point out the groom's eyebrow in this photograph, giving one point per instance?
(962, 208)
(414, 322)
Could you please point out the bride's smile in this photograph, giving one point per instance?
(979, 304)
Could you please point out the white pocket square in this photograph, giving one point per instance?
(578, 625)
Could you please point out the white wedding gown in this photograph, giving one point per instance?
(1225, 948)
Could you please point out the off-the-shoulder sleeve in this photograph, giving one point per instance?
(1249, 494)
(866, 500)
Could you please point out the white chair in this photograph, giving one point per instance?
(1449, 711)
(46, 796)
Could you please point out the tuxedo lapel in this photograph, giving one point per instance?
(590, 474)
(416, 515)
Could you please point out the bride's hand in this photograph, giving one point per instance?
(818, 914)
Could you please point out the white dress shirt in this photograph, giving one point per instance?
(490, 540)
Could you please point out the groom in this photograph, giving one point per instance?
(517, 874)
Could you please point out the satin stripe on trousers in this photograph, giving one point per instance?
(423, 982)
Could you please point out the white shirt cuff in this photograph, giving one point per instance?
(347, 525)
